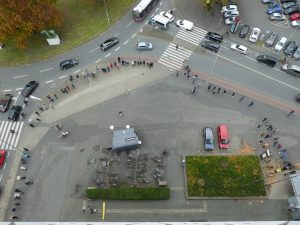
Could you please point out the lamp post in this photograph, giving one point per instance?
(106, 11)
(212, 68)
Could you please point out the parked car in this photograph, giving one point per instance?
(288, 5)
(231, 13)
(297, 97)
(229, 20)
(254, 34)
(293, 70)
(208, 139)
(295, 23)
(239, 48)
(210, 45)
(185, 24)
(277, 17)
(291, 10)
(280, 44)
(2, 158)
(4, 102)
(271, 39)
(29, 88)
(295, 16)
(284, 1)
(66, 64)
(297, 54)
(167, 15)
(267, 1)
(144, 45)
(14, 112)
(267, 59)
(213, 36)
(223, 136)
(228, 8)
(244, 31)
(290, 48)
(275, 8)
(109, 43)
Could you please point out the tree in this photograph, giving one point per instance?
(19, 19)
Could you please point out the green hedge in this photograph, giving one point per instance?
(159, 193)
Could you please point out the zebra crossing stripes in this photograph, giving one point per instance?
(174, 58)
(9, 140)
(195, 36)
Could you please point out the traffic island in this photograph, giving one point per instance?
(235, 176)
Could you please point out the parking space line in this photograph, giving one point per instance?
(125, 42)
(76, 71)
(94, 49)
(20, 76)
(17, 89)
(98, 60)
(129, 24)
(62, 77)
(117, 49)
(132, 36)
(45, 70)
(107, 55)
(49, 81)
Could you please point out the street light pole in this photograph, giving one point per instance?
(106, 11)
(212, 68)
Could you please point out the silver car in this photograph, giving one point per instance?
(208, 139)
(277, 17)
(144, 45)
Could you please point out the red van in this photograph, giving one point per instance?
(223, 136)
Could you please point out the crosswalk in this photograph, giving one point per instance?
(194, 37)
(174, 58)
(8, 139)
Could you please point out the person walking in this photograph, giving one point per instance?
(265, 119)
(251, 104)
(12, 131)
(214, 90)
(233, 94)
(25, 101)
(176, 46)
(208, 87)
(219, 89)
(37, 113)
(291, 113)
(177, 73)
(31, 124)
(242, 98)
(38, 119)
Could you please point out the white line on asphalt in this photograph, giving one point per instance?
(156, 10)
(94, 49)
(152, 15)
(36, 98)
(98, 60)
(133, 35)
(46, 70)
(107, 55)
(262, 74)
(18, 89)
(117, 49)
(1, 177)
(117, 35)
(17, 97)
(160, 3)
(7, 90)
(76, 71)
(49, 81)
(4, 166)
(62, 77)
(125, 42)
(129, 24)
(20, 76)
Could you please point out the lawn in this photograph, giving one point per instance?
(82, 21)
(224, 176)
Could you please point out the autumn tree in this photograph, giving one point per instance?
(19, 19)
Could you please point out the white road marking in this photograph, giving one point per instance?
(117, 49)
(17, 97)
(46, 70)
(94, 49)
(156, 9)
(4, 166)
(117, 35)
(62, 77)
(36, 98)
(262, 74)
(17, 89)
(107, 55)
(132, 36)
(1, 177)
(98, 60)
(49, 81)
(129, 24)
(7, 90)
(125, 42)
(20, 76)
(160, 3)
(76, 71)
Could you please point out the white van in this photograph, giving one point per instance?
(159, 21)
(291, 69)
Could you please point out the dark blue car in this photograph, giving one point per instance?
(274, 8)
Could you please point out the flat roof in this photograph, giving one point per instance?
(124, 138)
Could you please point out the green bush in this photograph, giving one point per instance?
(224, 176)
(159, 193)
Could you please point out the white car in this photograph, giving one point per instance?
(254, 34)
(185, 24)
(231, 13)
(168, 15)
(295, 23)
(228, 8)
(229, 20)
(239, 48)
(280, 44)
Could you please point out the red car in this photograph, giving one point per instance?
(223, 136)
(4, 102)
(2, 157)
(295, 16)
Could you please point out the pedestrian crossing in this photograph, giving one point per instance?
(194, 37)
(174, 57)
(9, 140)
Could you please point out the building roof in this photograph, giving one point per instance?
(124, 138)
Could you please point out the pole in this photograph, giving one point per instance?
(212, 68)
(106, 11)
(140, 31)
